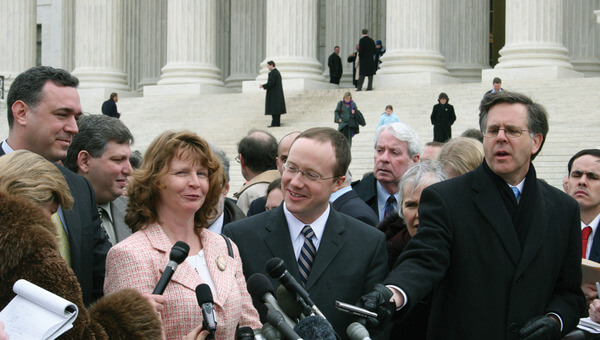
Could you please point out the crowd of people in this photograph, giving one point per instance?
(428, 240)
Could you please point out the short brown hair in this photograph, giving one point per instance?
(143, 189)
(343, 157)
(34, 178)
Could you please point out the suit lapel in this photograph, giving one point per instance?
(279, 243)
(487, 199)
(595, 252)
(537, 229)
(215, 251)
(185, 274)
(117, 208)
(329, 247)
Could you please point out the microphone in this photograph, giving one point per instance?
(315, 328)
(261, 289)
(178, 254)
(275, 318)
(356, 331)
(276, 269)
(289, 303)
(269, 332)
(244, 333)
(205, 300)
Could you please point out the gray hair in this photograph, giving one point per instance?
(404, 133)
(418, 175)
(223, 158)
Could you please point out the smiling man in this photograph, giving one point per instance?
(100, 152)
(496, 245)
(43, 108)
(396, 149)
(316, 242)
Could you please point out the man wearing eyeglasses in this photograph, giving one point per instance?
(499, 248)
(334, 256)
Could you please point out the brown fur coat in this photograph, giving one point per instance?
(28, 250)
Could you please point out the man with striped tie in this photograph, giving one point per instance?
(334, 256)
(583, 184)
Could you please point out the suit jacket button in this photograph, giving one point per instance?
(513, 327)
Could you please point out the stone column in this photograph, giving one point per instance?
(247, 49)
(291, 41)
(153, 47)
(464, 41)
(191, 43)
(581, 36)
(344, 25)
(413, 44)
(17, 38)
(534, 48)
(99, 44)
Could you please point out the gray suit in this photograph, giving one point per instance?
(351, 258)
(117, 208)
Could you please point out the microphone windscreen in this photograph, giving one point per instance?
(315, 328)
(179, 252)
(203, 294)
(244, 333)
(275, 267)
(258, 285)
(287, 301)
(356, 331)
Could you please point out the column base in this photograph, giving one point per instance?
(528, 73)
(468, 74)
(293, 68)
(235, 81)
(93, 78)
(184, 89)
(290, 85)
(177, 73)
(391, 80)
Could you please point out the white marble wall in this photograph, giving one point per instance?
(581, 36)
(153, 46)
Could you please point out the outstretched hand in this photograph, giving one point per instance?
(541, 328)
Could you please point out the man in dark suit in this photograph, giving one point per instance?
(334, 62)
(396, 148)
(366, 56)
(346, 201)
(109, 107)
(43, 106)
(315, 167)
(499, 248)
(583, 184)
(100, 152)
(274, 101)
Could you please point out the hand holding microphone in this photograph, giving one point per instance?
(178, 254)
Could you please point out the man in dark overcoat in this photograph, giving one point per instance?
(274, 102)
(366, 56)
(335, 66)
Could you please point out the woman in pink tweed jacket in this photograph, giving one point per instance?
(171, 198)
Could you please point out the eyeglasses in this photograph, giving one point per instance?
(237, 158)
(509, 130)
(311, 175)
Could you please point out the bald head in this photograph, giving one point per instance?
(284, 148)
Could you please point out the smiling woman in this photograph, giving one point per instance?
(171, 198)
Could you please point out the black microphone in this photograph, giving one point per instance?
(244, 333)
(205, 300)
(261, 289)
(289, 303)
(178, 254)
(356, 331)
(315, 328)
(269, 332)
(276, 269)
(276, 320)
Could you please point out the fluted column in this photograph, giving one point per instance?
(534, 32)
(191, 43)
(413, 38)
(19, 42)
(344, 25)
(464, 42)
(247, 48)
(291, 40)
(99, 44)
(581, 36)
(153, 28)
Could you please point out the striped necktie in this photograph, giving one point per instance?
(307, 254)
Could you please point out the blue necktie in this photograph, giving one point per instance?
(307, 254)
(389, 206)
(517, 193)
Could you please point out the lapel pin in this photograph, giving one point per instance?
(221, 262)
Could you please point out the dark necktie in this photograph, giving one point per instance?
(389, 206)
(585, 235)
(307, 254)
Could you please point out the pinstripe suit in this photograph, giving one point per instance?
(139, 260)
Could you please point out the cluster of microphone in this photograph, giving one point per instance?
(290, 313)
